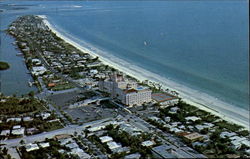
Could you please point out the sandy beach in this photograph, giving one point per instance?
(194, 97)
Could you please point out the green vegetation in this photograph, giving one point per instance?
(17, 106)
(108, 104)
(229, 126)
(49, 152)
(62, 87)
(4, 65)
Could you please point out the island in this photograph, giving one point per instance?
(4, 65)
(86, 107)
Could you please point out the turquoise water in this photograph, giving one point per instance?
(201, 44)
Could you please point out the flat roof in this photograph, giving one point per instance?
(161, 97)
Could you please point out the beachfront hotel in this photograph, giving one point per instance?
(129, 93)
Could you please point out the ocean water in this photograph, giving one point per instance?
(200, 44)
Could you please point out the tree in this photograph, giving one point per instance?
(31, 94)
(5, 150)
(22, 142)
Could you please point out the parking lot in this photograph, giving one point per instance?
(90, 113)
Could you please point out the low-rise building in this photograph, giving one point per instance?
(133, 156)
(121, 150)
(27, 118)
(62, 136)
(192, 118)
(192, 137)
(79, 152)
(173, 110)
(148, 143)
(18, 130)
(5, 133)
(16, 127)
(31, 147)
(45, 115)
(227, 134)
(72, 145)
(165, 98)
(31, 131)
(38, 70)
(44, 144)
(113, 145)
(14, 119)
(105, 139)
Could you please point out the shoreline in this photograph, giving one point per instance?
(193, 97)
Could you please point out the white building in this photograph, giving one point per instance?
(113, 145)
(31, 147)
(5, 132)
(44, 144)
(18, 132)
(148, 143)
(128, 92)
(106, 139)
(14, 119)
(38, 70)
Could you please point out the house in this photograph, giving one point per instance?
(93, 72)
(51, 84)
(113, 145)
(199, 127)
(62, 136)
(18, 130)
(131, 130)
(79, 152)
(72, 145)
(36, 62)
(227, 134)
(248, 151)
(175, 130)
(45, 115)
(27, 118)
(105, 139)
(173, 110)
(44, 144)
(16, 127)
(192, 118)
(237, 142)
(148, 143)
(232, 156)
(66, 141)
(167, 119)
(31, 147)
(31, 131)
(121, 150)
(192, 137)
(5, 132)
(14, 119)
(38, 70)
(133, 156)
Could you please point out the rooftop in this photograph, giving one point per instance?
(162, 97)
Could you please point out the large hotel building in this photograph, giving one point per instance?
(128, 92)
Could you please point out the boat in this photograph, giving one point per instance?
(19, 54)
